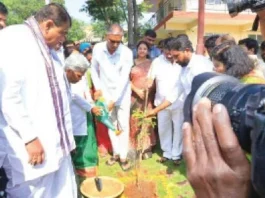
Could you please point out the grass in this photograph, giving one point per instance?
(170, 180)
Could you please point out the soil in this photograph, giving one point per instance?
(110, 187)
(146, 189)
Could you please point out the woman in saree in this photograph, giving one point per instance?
(85, 156)
(139, 101)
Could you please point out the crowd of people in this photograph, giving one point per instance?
(49, 94)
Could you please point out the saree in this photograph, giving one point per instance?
(138, 78)
(102, 135)
(85, 157)
(253, 77)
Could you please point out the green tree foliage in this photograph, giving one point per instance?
(99, 29)
(114, 11)
(77, 31)
(142, 28)
(109, 11)
(19, 10)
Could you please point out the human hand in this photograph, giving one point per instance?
(97, 94)
(111, 105)
(35, 152)
(216, 164)
(141, 93)
(151, 113)
(96, 111)
(150, 82)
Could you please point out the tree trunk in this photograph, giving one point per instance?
(135, 24)
(102, 10)
(130, 23)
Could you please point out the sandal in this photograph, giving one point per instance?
(111, 161)
(177, 162)
(147, 155)
(162, 160)
(125, 166)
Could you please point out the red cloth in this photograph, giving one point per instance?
(104, 143)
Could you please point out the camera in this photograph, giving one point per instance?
(245, 104)
(237, 6)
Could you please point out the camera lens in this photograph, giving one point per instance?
(237, 6)
(232, 94)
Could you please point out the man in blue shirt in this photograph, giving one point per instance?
(149, 37)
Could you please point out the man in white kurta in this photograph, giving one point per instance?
(110, 69)
(192, 65)
(3, 19)
(166, 72)
(36, 133)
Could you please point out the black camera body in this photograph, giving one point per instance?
(246, 108)
(237, 6)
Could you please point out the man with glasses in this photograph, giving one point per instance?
(150, 37)
(110, 68)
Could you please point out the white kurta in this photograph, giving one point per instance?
(110, 73)
(198, 64)
(27, 109)
(166, 75)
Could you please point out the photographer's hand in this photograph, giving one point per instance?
(216, 164)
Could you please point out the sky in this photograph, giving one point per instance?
(73, 7)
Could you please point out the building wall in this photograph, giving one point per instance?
(193, 5)
(174, 22)
(235, 31)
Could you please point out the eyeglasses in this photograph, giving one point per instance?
(114, 42)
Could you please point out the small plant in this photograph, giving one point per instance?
(144, 124)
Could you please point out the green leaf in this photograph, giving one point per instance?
(20, 10)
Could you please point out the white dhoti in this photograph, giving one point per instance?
(58, 184)
(170, 132)
(120, 117)
(33, 105)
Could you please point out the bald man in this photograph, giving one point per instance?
(110, 68)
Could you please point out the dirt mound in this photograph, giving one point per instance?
(146, 189)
